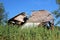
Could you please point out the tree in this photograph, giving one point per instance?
(2, 14)
(58, 2)
(57, 13)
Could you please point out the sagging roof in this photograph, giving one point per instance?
(40, 16)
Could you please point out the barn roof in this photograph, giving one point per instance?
(39, 16)
(23, 13)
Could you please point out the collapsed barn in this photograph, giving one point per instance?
(19, 19)
(38, 18)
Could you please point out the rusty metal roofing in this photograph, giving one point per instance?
(40, 16)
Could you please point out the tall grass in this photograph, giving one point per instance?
(10, 32)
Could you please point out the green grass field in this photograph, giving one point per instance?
(36, 33)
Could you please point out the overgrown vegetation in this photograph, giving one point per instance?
(10, 32)
(36, 33)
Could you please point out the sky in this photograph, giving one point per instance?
(14, 7)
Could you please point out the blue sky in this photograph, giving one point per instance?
(14, 7)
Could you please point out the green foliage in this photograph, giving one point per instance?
(57, 13)
(10, 32)
(3, 15)
(57, 16)
(1, 12)
(58, 2)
